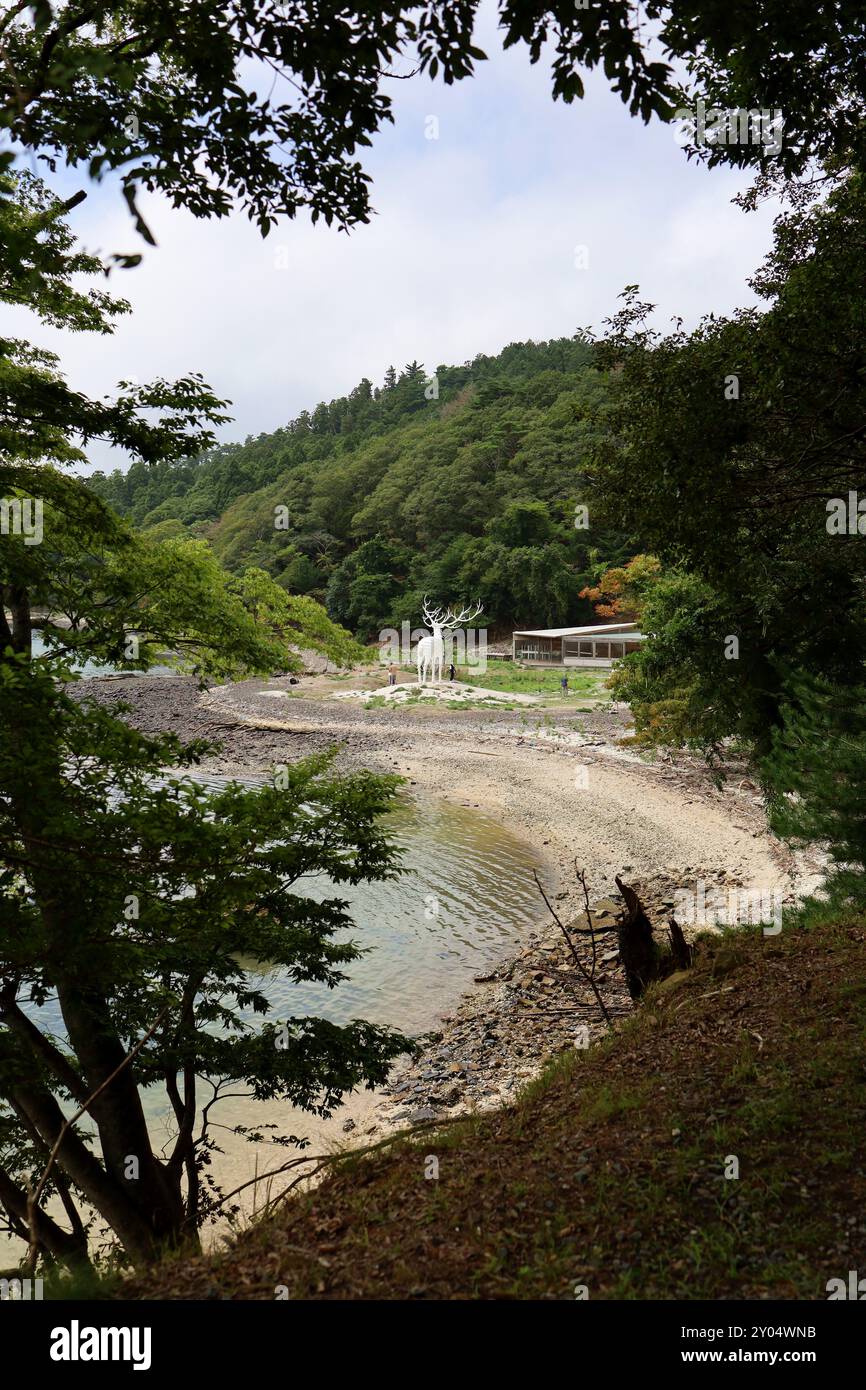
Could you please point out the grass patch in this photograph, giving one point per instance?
(532, 680)
(711, 1148)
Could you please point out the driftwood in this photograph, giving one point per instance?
(642, 959)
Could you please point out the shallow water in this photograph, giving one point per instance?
(467, 891)
(466, 899)
(465, 894)
(96, 668)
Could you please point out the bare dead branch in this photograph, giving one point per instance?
(578, 962)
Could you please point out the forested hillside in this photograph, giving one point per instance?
(460, 484)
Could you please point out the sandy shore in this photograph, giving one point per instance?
(561, 781)
(573, 790)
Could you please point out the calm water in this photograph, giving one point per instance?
(466, 893)
(465, 896)
(95, 668)
(479, 876)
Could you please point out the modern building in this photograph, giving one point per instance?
(599, 645)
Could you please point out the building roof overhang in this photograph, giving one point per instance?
(596, 630)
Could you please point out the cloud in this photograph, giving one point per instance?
(474, 244)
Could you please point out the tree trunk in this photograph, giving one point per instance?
(69, 1248)
(87, 1173)
(642, 960)
(119, 1115)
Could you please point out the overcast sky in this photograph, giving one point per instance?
(473, 246)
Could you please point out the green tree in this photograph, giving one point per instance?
(130, 896)
(362, 589)
(300, 576)
(733, 445)
(522, 523)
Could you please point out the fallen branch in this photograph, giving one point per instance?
(324, 1160)
(581, 878)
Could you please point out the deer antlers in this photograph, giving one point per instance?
(432, 615)
(446, 617)
(466, 615)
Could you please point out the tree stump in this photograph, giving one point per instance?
(637, 949)
(642, 960)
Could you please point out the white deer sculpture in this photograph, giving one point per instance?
(430, 651)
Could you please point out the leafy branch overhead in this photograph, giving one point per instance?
(267, 103)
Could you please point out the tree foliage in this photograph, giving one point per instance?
(389, 495)
(816, 773)
(735, 445)
(266, 104)
(131, 899)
